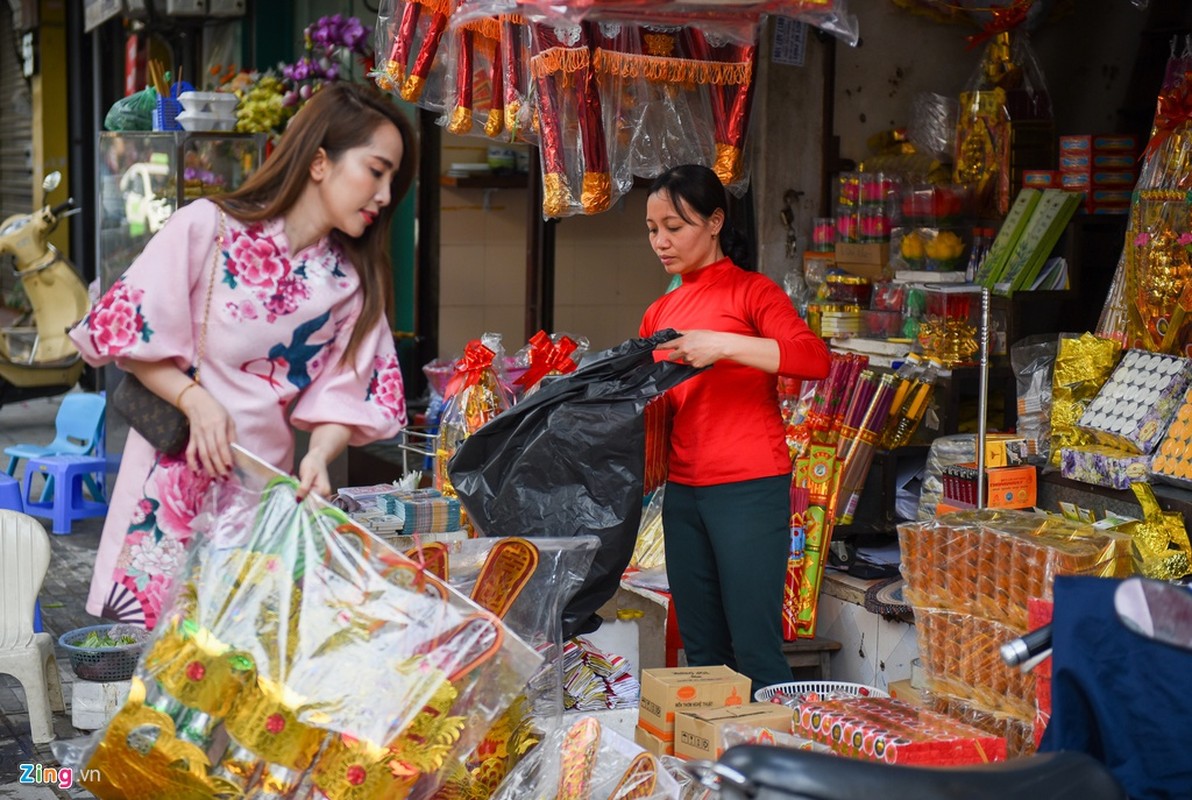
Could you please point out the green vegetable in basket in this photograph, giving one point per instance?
(95, 639)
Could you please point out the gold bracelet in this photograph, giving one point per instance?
(185, 389)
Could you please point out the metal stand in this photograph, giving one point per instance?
(983, 398)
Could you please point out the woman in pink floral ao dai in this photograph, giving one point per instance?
(297, 332)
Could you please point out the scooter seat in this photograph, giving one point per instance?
(779, 773)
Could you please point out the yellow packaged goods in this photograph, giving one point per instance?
(1173, 461)
(1082, 365)
(700, 734)
(1161, 544)
(961, 659)
(989, 562)
(671, 690)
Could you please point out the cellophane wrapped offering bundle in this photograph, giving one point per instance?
(301, 654)
(1134, 311)
(1004, 120)
(885, 729)
(989, 562)
(1032, 360)
(1133, 408)
(526, 584)
(408, 39)
(1082, 364)
(477, 393)
(586, 759)
(1104, 466)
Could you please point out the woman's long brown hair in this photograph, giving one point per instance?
(339, 117)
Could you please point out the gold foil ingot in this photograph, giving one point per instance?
(121, 767)
(197, 669)
(411, 88)
(1160, 540)
(597, 193)
(728, 163)
(556, 194)
(461, 120)
(264, 720)
(493, 122)
(512, 111)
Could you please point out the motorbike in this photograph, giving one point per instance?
(1098, 761)
(37, 358)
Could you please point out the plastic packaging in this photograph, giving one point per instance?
(582, 758)
(1032, 360)
(476, 394)
(650, 552)
(408, 38)
(932, 127)
(988, 563)
(132, 113)
(242, 686)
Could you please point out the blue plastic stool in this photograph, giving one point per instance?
(68, 503)
(10, 494)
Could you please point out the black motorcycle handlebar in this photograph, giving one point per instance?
(63, 207)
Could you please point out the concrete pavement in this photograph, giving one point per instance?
(62, 597)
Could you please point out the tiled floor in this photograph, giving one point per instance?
(62, 598)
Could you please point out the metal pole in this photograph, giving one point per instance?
(983, 397)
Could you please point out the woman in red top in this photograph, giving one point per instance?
(726, 514)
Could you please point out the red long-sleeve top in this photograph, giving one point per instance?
(727, 424)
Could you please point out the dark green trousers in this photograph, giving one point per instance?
(726, 554)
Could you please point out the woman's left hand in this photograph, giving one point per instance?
(313, 476)
(699, 348)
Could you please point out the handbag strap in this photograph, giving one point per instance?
(202, 346)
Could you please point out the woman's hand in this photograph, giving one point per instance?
(212, 432)
(699, 348)
(313, 476)
(705, 348)
(327, 441)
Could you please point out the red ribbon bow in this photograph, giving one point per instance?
(1001, 20)
(1172, 110)
(476, 359)
(547, 356)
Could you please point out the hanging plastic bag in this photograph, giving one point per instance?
(476, 394)
(570, 461)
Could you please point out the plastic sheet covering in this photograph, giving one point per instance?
(302, 650)
(484, 570)
(1002, 99)
(570, 461)
(945, 451)
(407, 39)
(988, 563)
(828, 15)
(584, 759)
(1018, 733)
(961, 659)
(1032, 360)
(650, 550)
(932, 129)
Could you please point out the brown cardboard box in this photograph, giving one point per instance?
(869, 260)
(700, 734)
(665, 691)
(652, 744)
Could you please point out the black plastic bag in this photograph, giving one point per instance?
(569, 461)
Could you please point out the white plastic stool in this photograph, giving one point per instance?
(27, 656)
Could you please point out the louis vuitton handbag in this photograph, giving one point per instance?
(162, 423)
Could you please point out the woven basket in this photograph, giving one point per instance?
(794, 690)
(104, 664)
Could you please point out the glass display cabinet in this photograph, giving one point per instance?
(143, 177)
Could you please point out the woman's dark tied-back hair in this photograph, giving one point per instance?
(702, 192)
(338, 118)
